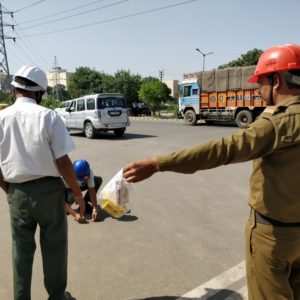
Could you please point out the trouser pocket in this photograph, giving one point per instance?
(251, 224)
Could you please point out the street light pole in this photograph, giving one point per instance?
(204, 55)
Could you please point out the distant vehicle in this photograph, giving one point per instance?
(140, 109)
(99, 112)
(3, 105)
(220, 95)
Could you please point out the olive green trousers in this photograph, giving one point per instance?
(38, 202)
(272, 261)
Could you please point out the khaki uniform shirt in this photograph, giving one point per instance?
(273, 143)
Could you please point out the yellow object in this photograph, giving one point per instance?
(116, 211)
(3, 105)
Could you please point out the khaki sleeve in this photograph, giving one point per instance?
(247, 144)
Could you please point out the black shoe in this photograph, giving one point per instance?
(68, 296)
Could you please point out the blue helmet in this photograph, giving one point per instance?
(82, 169)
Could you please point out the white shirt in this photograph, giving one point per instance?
(31, 138)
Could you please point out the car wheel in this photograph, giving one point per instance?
(89, 130)
(119, 132)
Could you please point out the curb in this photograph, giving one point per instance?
(155, 119)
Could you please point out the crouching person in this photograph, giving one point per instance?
(89, 185)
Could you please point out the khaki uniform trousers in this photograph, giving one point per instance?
(38, 202)
(272, 261)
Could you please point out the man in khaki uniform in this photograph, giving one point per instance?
(273, 143)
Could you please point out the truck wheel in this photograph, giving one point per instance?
(89, 130)
(119, 132)
(190, 117)
(244, 118)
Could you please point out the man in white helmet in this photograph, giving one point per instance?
(34, 147)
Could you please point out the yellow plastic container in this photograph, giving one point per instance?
(116, 211)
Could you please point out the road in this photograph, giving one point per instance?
(183, 238)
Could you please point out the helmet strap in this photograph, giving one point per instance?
(14, 94)
(38, 96)
(272, 80)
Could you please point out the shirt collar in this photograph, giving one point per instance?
(289, 101)
(25, 100)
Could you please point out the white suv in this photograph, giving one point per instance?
(99, 112)
(63, 106)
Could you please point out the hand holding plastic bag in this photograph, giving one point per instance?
(114, 196)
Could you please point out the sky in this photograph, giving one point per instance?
(144, 36)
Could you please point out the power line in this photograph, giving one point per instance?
(12, 54)
(24, 52)
(114, 19)
(27, 43)
(28, 6)
(62, 12)
(78, 14)
(32, 51)
(5, 10)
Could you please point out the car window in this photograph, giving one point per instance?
(80, 105)
(73, 106)
(90, 104)
(110, 102)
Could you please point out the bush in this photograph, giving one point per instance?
(173, 108)
(50, 102)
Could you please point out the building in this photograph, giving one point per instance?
(173, 86)
(57, 76)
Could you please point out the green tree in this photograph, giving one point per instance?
(155, 94)
(63, 94)
(150, 78)
(6, 97)
(50, 102)
(85, 81)
(248, 59)
(108, 83)
(128, 85)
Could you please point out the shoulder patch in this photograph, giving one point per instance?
(270, 109)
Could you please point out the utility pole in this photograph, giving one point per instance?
(161, 74)
(56, 79)
(3, 56)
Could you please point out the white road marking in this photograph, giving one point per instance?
(221, 281)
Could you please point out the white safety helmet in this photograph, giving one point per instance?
(34, 74)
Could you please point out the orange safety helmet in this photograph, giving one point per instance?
(278, 58)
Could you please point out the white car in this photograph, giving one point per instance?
(98, 112)
(63, 106)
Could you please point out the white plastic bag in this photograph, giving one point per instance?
(113, 198)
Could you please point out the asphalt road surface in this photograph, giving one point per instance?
(183, 238)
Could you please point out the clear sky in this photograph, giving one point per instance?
(145, 36)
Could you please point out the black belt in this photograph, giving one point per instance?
(41, 179)
(268, 221)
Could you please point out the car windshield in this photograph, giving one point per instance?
(65, 104)
(110, 102)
